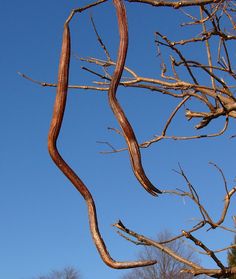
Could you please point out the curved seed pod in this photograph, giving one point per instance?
(134, 152)
(57, 118)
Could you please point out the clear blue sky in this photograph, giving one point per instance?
(43, 220)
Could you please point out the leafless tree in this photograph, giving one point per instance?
(183, 79)
(66, 273)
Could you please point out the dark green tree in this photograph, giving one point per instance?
(232, 257)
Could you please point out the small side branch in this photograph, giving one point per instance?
(158, 245)
(205, 248)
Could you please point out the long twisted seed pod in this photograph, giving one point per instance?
(134, 152)
(57, 118)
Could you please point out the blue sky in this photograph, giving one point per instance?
(43, 219)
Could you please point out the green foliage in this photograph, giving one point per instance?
(232, 257)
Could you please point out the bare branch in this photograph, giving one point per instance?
(176, 4)
(205, 248)
(100, 40)
(162, 247)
